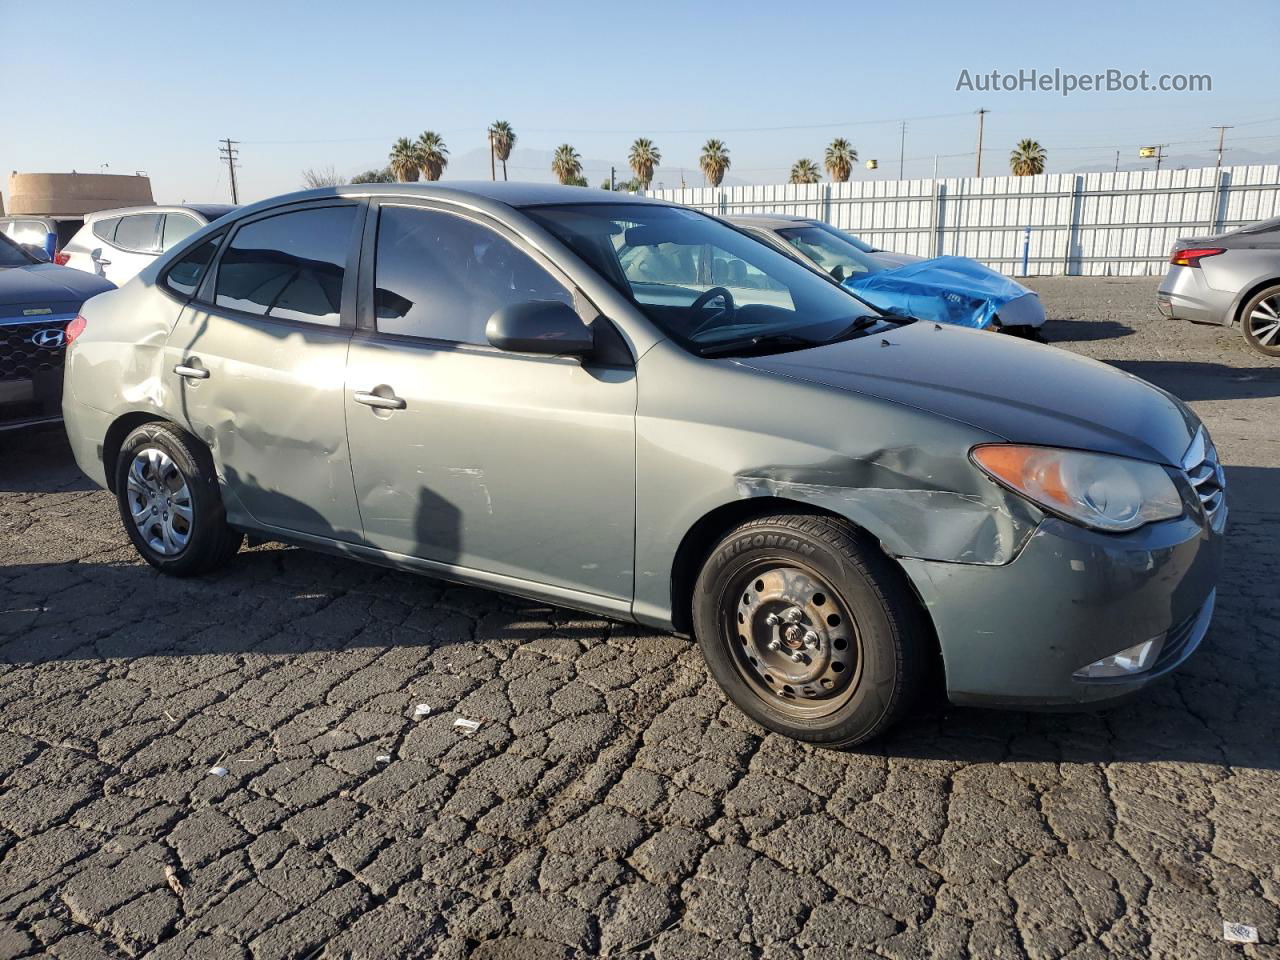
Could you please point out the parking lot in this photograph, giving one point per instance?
(611, 801)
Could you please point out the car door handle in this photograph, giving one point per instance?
(105, 263)
(381, 403)
(194, 373)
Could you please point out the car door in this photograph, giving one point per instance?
(519, 466)
(255, 363)
(135, 244)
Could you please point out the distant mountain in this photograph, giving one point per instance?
(1176, 161)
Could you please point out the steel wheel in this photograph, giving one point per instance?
(1264, 322)
(159, 502)
(792, 638)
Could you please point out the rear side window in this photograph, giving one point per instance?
(177, 227)
(184, 276)
(139, 232)
(106, 229)
(289, 266)
(441, 276)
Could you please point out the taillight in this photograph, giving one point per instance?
(61, 259)
(74, 329)
(1191, 256)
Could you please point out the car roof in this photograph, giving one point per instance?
(769, 220)
(209, 211)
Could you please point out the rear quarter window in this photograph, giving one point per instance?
(106, 229)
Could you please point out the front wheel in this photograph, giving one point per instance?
(1260, 320)
(809, 629)
(169, 502)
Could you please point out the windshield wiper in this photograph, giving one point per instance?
(857, 326)
(763, 341)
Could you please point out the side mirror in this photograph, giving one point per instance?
(37, 251)
(837, 273)
(540, 326)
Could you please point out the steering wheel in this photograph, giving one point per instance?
(726, 313)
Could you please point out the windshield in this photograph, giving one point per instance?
(831, 250)
(703, 283)
(12, 255)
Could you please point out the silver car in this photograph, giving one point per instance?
(774, 222)
(628, 407)
(1231, 279)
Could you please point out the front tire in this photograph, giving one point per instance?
(1260, 322)
(167, 491)
(810, 630)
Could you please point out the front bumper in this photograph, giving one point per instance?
(1185, 295)
(1014, 635)
(32, 400)
(1025, 311)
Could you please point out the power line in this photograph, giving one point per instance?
(229, 153)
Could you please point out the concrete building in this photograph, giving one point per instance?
(75, 194)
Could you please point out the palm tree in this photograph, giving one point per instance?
(433, 155)
(1027, 159)
(805, 171)
(504, 141)
(714, 161)
(404, 161)
(643, 158)
(840, 159)
(567, 164)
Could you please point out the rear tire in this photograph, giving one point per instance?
(167, 491)
(810, 630)
(1260, 322)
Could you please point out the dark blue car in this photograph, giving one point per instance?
(37, 301)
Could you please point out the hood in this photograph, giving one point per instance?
(1022, 391)
(43, 284)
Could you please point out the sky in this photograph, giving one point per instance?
(152, 87)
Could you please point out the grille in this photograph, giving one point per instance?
(1205, 473)
(21, 358)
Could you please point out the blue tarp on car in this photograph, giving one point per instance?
(946, 289)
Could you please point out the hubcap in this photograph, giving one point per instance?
(1264, 322)
(793, 638)
(159, 502)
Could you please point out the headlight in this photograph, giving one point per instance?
(1094, 489)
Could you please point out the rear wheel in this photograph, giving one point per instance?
(809, 629)
(1260, 321)
(169, 501)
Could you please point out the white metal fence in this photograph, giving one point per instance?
(1086, 224)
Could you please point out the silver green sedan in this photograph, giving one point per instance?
(632, 408)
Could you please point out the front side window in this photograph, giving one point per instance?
(177, 227)
(289, 266)
(708, 286)
(184, 276)
(139, 232)
(441, 276)
(832, 251)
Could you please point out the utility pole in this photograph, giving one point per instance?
(493, 171)
(229, 153)
(982, 112)
(902, 146)
(1222, 133)
(1117, 161)
(613, 180)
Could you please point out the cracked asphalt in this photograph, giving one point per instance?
(611, 803)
